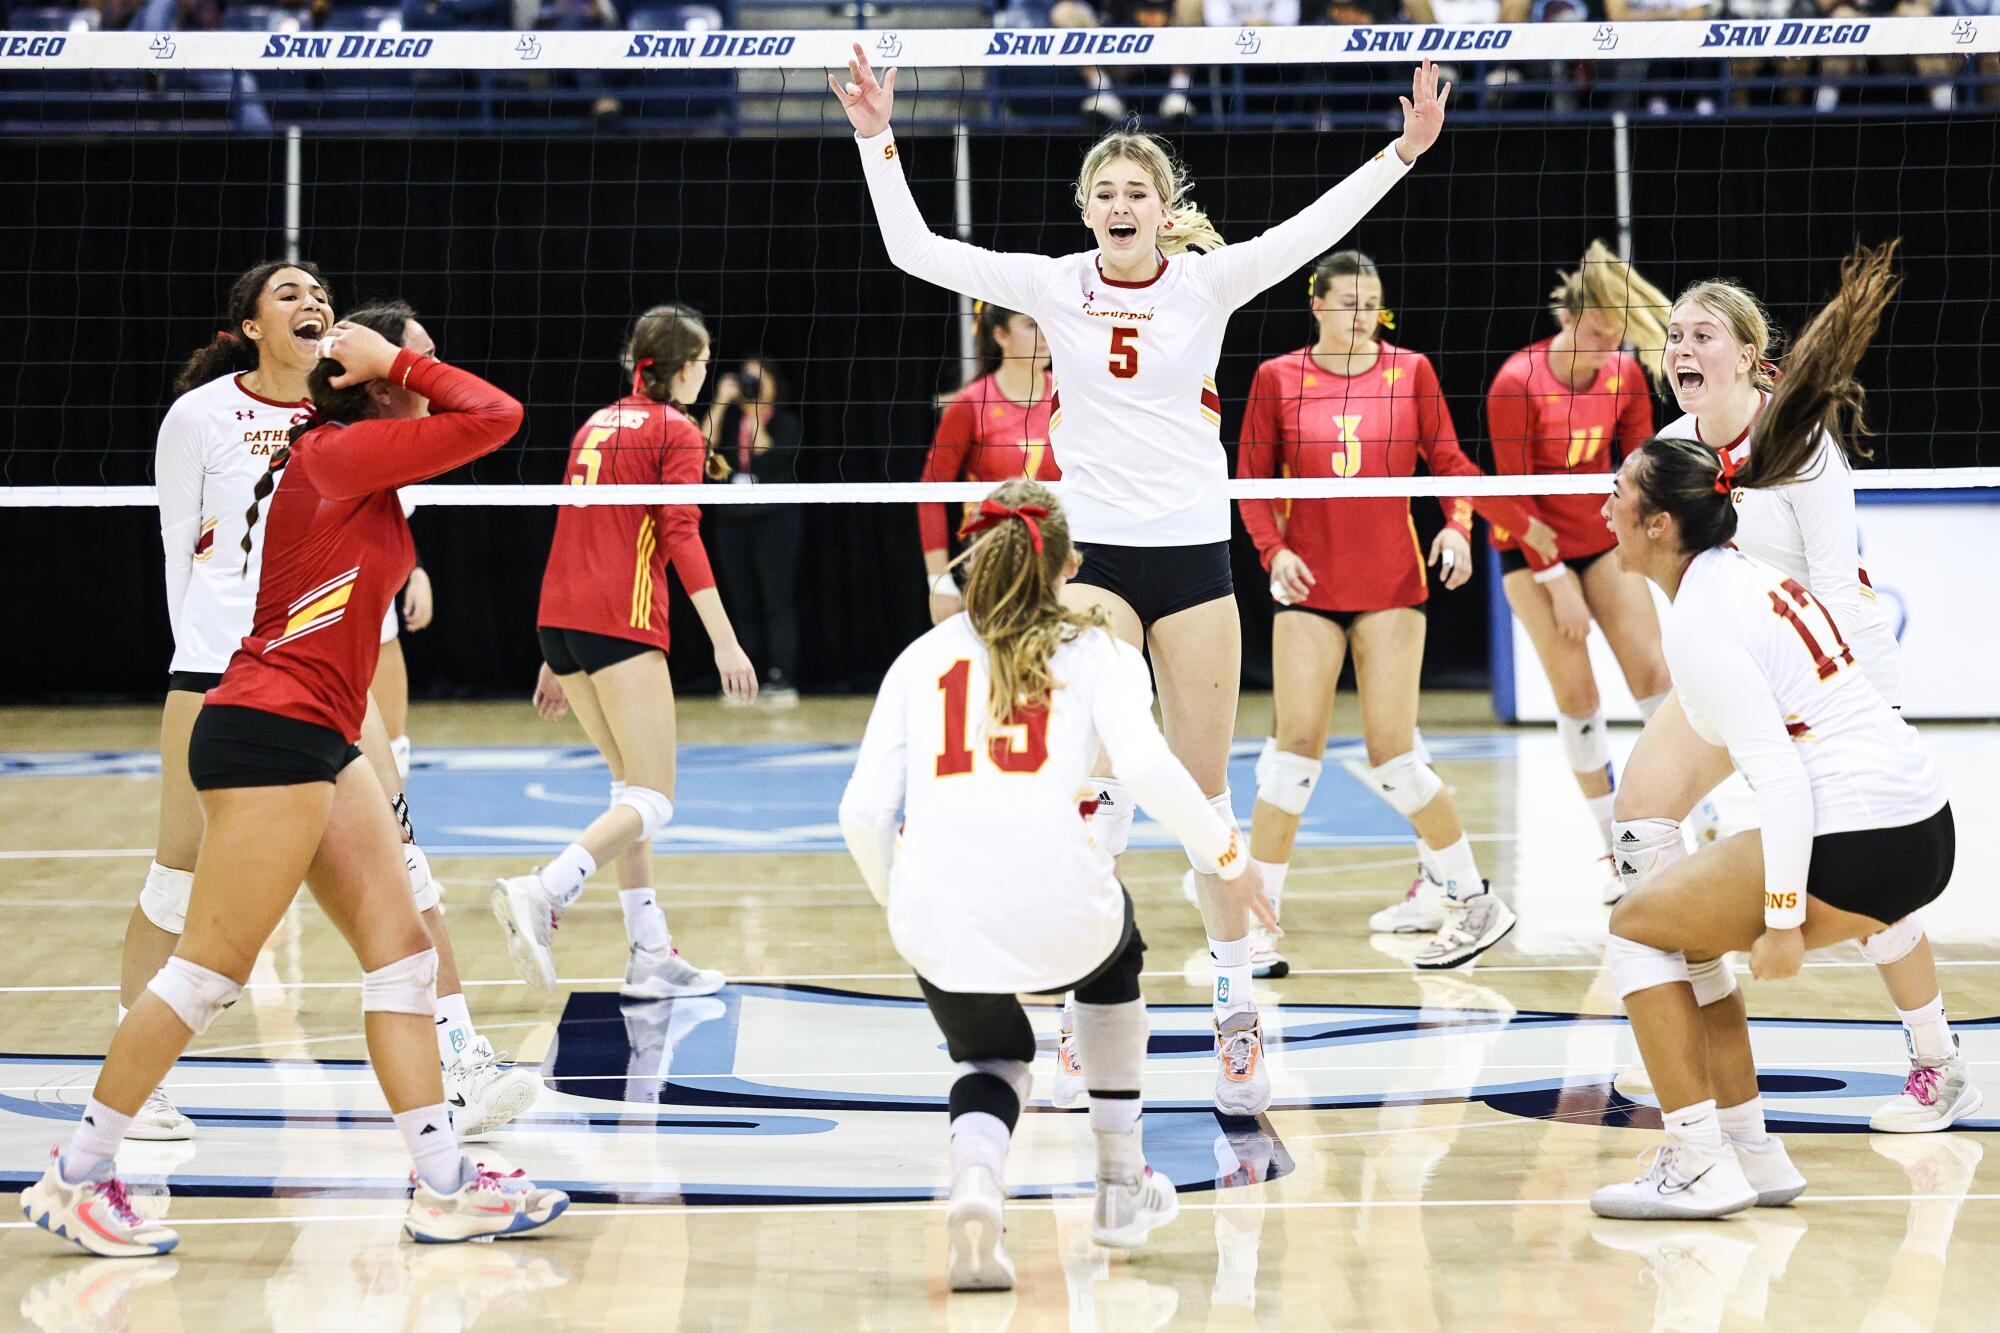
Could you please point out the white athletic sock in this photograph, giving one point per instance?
(1232, 976)
(454, 1028)
(1458, 871)
(122, 1011)
(95, 1142)
(562, 879)
(1274, 873)
(1115, 1115)
(1427, 862)
(1744, 1123)
(1121, 1153)
(1696, 1126)
(1600, 810)
(427, 1133)
(979, 1139)
(645, 923)
(1928, 1033)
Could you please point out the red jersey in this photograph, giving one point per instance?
(607, 570)
(1541, 425)
(1303, 421)
(986, 436)
(337, 547)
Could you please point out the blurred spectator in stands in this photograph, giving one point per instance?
(1936, 71)
(587, 16)
(1455, 12)
(1747, 78)
(1987, 67)
(431, 15)
(1566, 80)
(1100, 100)
(756, 547)
(1634, 71)
(113, 14)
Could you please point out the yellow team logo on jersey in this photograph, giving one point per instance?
(1611, 385)
(1392, 374)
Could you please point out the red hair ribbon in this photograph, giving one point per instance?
(639, 369)
(1725, 476)
(992, 514)
(225, 336)
(1770, 368)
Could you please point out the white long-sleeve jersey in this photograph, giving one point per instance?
(996, 884)
(216, 441)
(1136, 419)
(1808, 530)
(1762, 671)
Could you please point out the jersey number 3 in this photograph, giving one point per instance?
(1802, 601)
(1124, 352)
(1021, 747)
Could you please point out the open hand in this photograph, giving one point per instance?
(739, 678)
(868, 103)
(1423, 112)
(548, 698)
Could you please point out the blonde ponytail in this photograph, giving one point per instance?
(1603, 281)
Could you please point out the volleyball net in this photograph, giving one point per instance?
(531, 192)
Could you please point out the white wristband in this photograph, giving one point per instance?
(1552, 573)
(1784, 911)
(944, 585)
(1233, 861)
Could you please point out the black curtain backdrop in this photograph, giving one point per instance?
(527, 257)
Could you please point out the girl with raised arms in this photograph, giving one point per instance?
(1135, 328)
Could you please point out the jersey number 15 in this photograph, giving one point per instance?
(1020, 747)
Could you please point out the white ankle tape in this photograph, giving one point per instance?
(1712, 981)
(1011, 1072)
(1111, 1045)
(422, 887)
(1893, 943)
(193, 992)
(1583, 742)
(1225, 807)
(1636, 967)
(406, 986)
(1112, 824)
(652, 807)
(1644, 847)
(164, 899)
(1406, 782)
(1287, 782)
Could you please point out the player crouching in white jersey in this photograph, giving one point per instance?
(1856, 832)
(983, 733)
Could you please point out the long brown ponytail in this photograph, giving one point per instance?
(1817, 390)
(1010, 597)
(229, 352)
(388, 318)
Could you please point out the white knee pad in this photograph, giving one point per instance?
(164, 900)
(1583, 742)
(1712, 981)
(1265, 755)
(653, 808)
(1644, 847)
(1418, 748)
(1288, 782)
(422, 887)
(406, 986)
(1111, 1040)
(1011, 1072)
(1111, 826)
(1222, 806)
(1406, 782)
(195, 994)
(1893, 944)
(1636, 967)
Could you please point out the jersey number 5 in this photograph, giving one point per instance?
(1124, 352)
(1022, 747)
(1802, 601)
(583, 472)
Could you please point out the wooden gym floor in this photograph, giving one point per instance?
(772, 1157)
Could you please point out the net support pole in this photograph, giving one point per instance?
(961, 213)
(294, 181)
(1621, 170)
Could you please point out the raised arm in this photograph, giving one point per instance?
(1239, 272)
(469, 418)
(1008, 280)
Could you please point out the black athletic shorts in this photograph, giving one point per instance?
(1886, 873)
(568, 651)
(1157, 581)
(234, 746)
(194, 682)
(1513, 560)
(1344, 619)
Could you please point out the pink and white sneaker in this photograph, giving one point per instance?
(1934, 1097)
(485, 1205)
(94, 1213)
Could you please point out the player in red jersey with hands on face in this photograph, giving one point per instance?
(996, 428)
(1573, 403)
(603, 630)
(1350, 574)
(273, 755)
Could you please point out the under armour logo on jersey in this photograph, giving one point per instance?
(246, 415)
(1606, 37)
(1248, 42)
